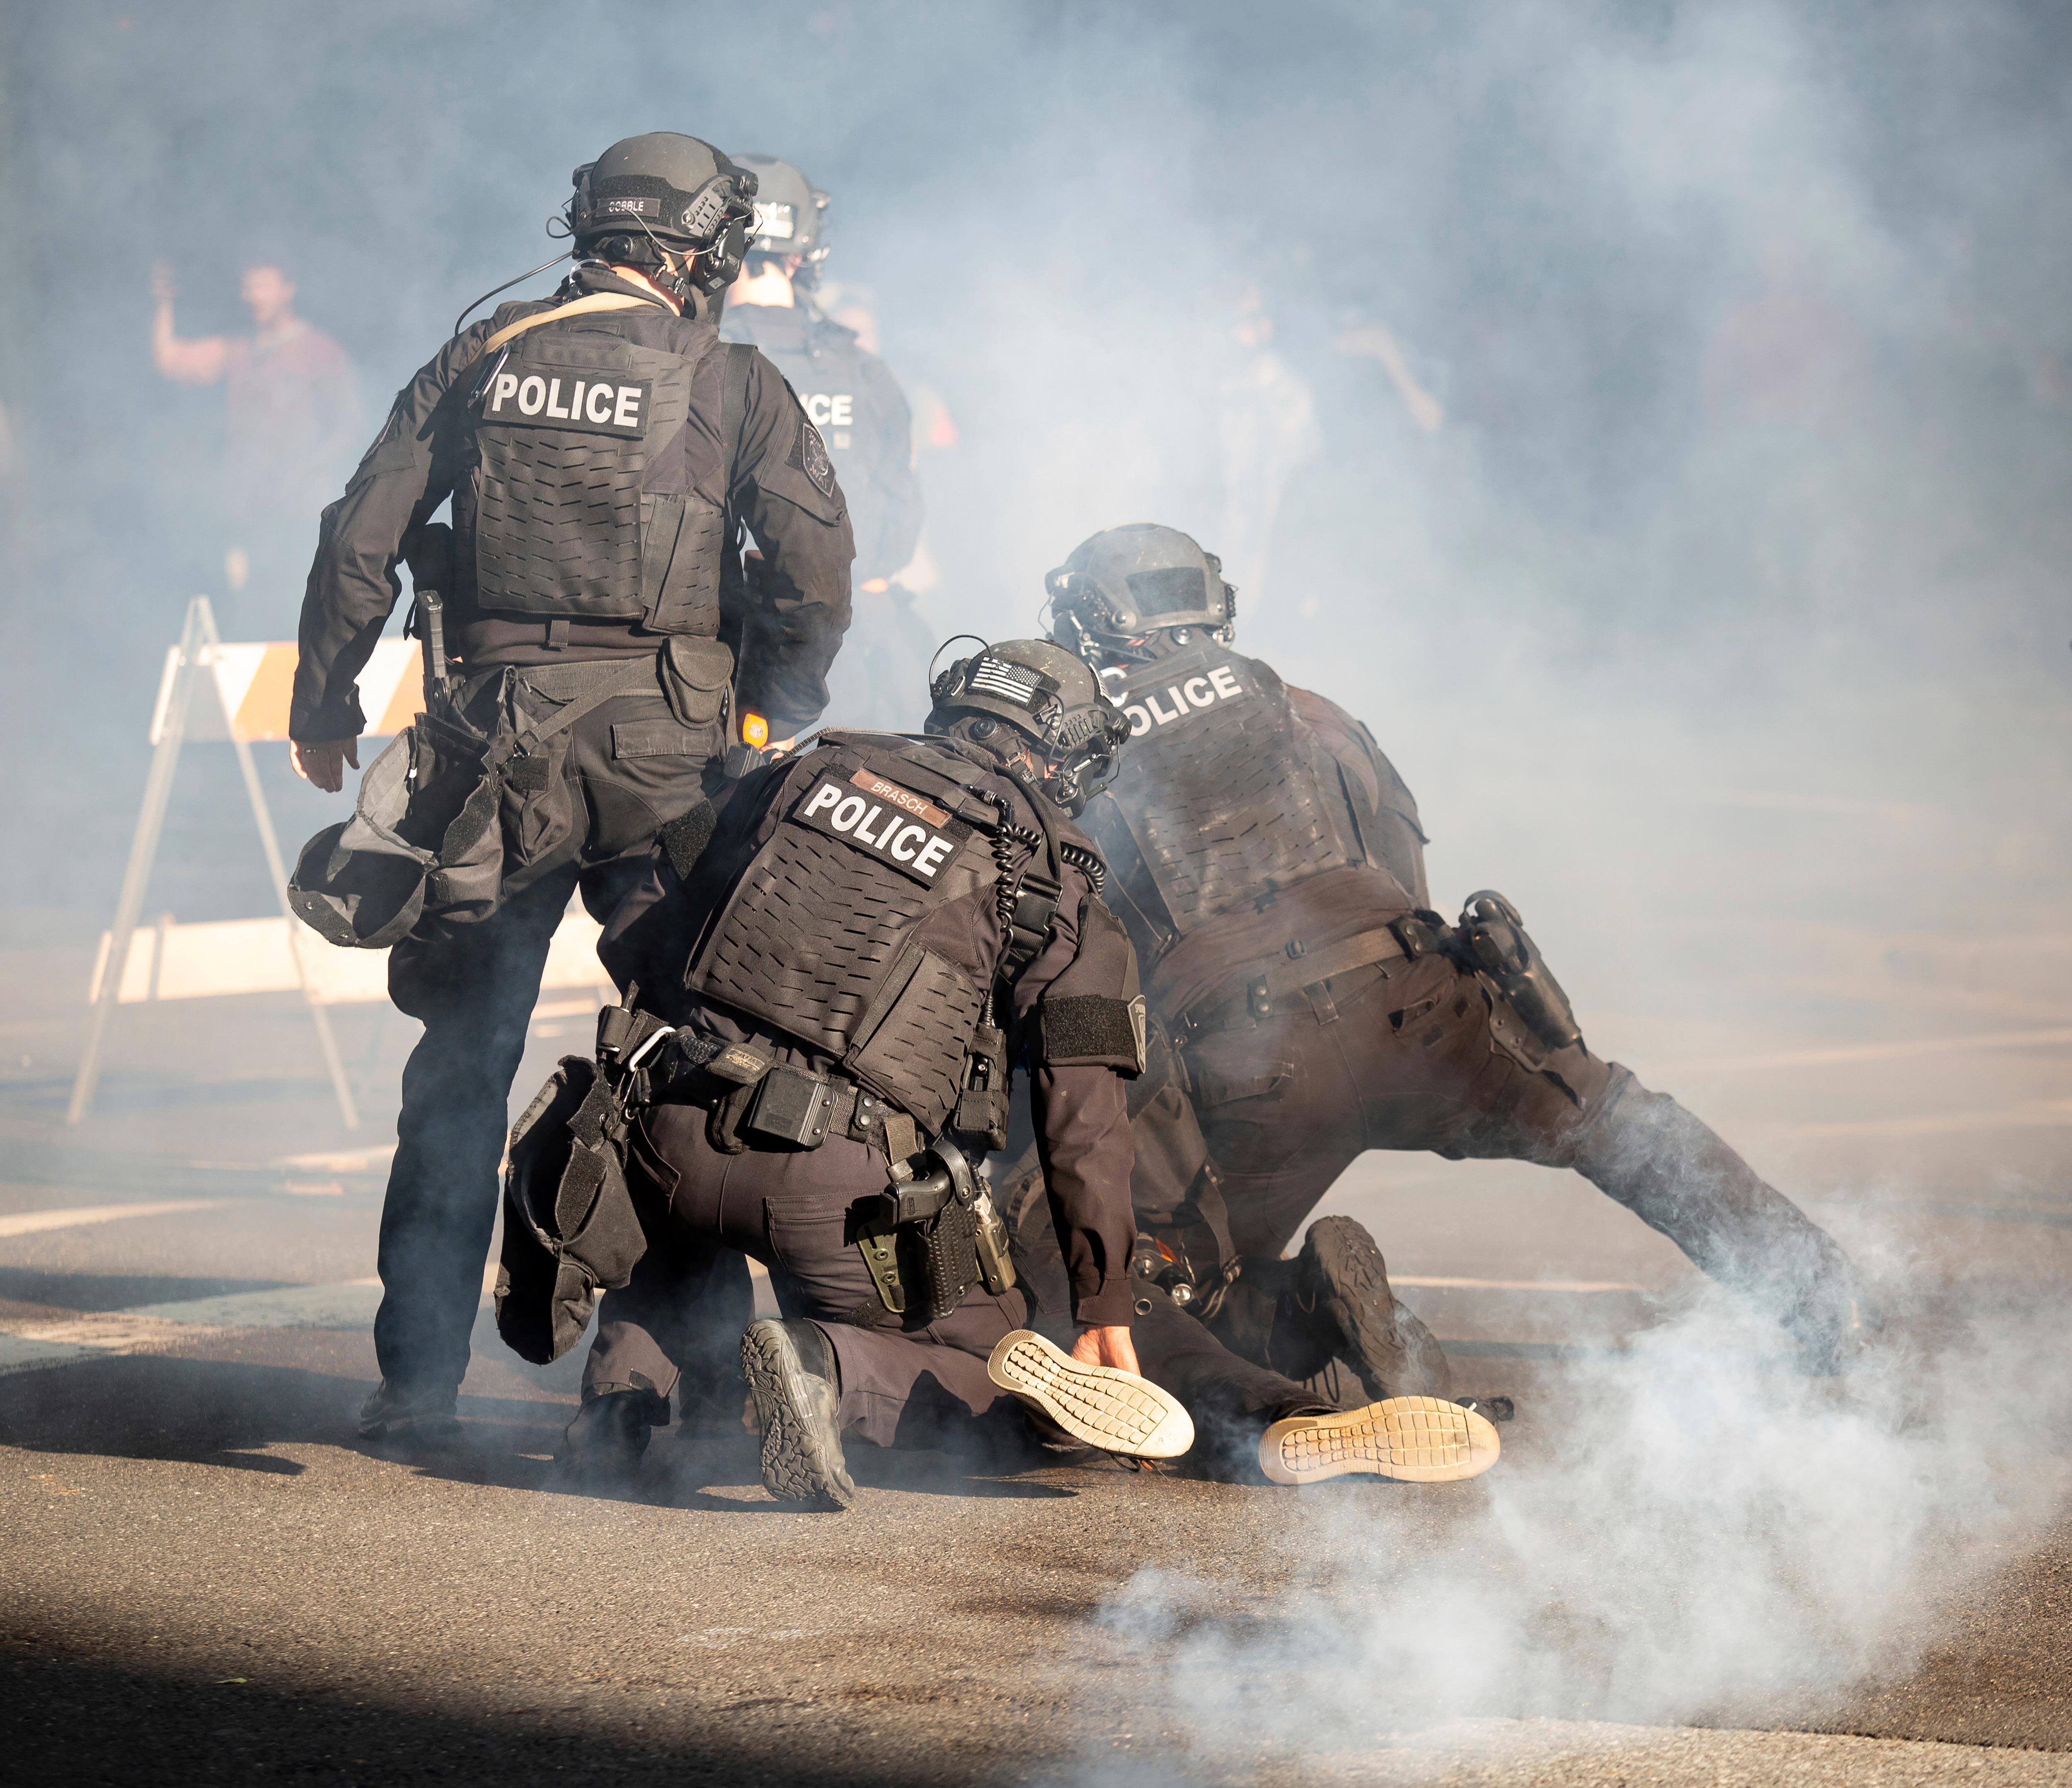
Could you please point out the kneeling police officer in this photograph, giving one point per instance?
(854, 952)
(1268, 864)
(594, 651)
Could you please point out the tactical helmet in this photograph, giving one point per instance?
(1050, 697)
(790, 213)
(673, 192)
(1141, 578)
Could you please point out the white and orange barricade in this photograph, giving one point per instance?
(239, 692)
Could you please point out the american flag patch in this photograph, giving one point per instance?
(1014, 683)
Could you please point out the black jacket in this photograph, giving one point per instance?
(785, 629)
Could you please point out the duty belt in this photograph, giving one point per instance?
(767, 1099)
(1256, 992)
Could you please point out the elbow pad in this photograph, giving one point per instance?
(1092, 1015)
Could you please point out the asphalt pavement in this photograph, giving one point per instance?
(1692, 1563)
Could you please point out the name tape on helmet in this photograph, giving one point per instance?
(773, 221)
(591, 406)
(893, 823)
(1188, 696)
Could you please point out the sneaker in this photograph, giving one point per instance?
(1394, 1354)
(421, 1413)
(1116, 1411)
(609, 1437)
(792, 1377)
(1416, 1440)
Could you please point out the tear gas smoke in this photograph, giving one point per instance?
(1691, 1530)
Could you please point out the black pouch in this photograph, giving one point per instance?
(698, 677)
(570, 1229)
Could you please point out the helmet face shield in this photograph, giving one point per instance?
(790, 213)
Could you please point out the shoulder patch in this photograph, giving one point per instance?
(812, 458)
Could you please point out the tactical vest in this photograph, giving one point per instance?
(1223, 794)
(844, 932)
(553, 519)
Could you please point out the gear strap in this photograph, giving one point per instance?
(575, 307)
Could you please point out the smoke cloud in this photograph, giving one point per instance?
(1651, 418)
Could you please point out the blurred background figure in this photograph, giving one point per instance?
(1786, 353)
(292, 425)
(1266, 427)
(1374, 340)
(879, 681)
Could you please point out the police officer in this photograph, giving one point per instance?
(1267, 863)
(851, 395)
(594, 650)
(855, 954)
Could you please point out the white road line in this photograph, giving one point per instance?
(2047, 1114)
(1845, 1053)
(350, 1305)
(155, 1328)
(1518, 1285)
(33, 1223)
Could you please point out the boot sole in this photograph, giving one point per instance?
(801, 1463)
(1115, 1410)
(1356, 1280)
(1415, 1439)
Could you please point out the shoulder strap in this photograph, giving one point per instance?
(575, 307)
(733, 398)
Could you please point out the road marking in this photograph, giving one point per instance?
(155, 1328)
(2045, 1114)
(349, 1305)
(1519, 1285)
(33, 1223)
(350, 1161)
(1872, 1052)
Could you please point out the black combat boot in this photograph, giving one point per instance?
(1342, 1284)
(1676, 1175)
(606, 1441)
(418, 1414)
(793, 1378)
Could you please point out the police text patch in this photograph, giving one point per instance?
(603, 405)
(1149, 707)
(889, 828)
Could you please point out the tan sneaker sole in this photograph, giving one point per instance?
(1418, 1439)
(1116, 1411)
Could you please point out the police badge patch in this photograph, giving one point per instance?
(813, 459)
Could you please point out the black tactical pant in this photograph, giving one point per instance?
(1402, 1055)
(1262, 1117)
(473, 987)
(903, 1383)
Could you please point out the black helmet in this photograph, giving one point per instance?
(790, 213)
(1050, 697)
(671, 193)
(1142, 578)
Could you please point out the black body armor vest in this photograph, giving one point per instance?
(851, 930)
(1223, 794)
(556, 517)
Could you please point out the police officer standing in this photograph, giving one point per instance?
(852, 396)
(1268, 864)
(594, 652)
(854, 955)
